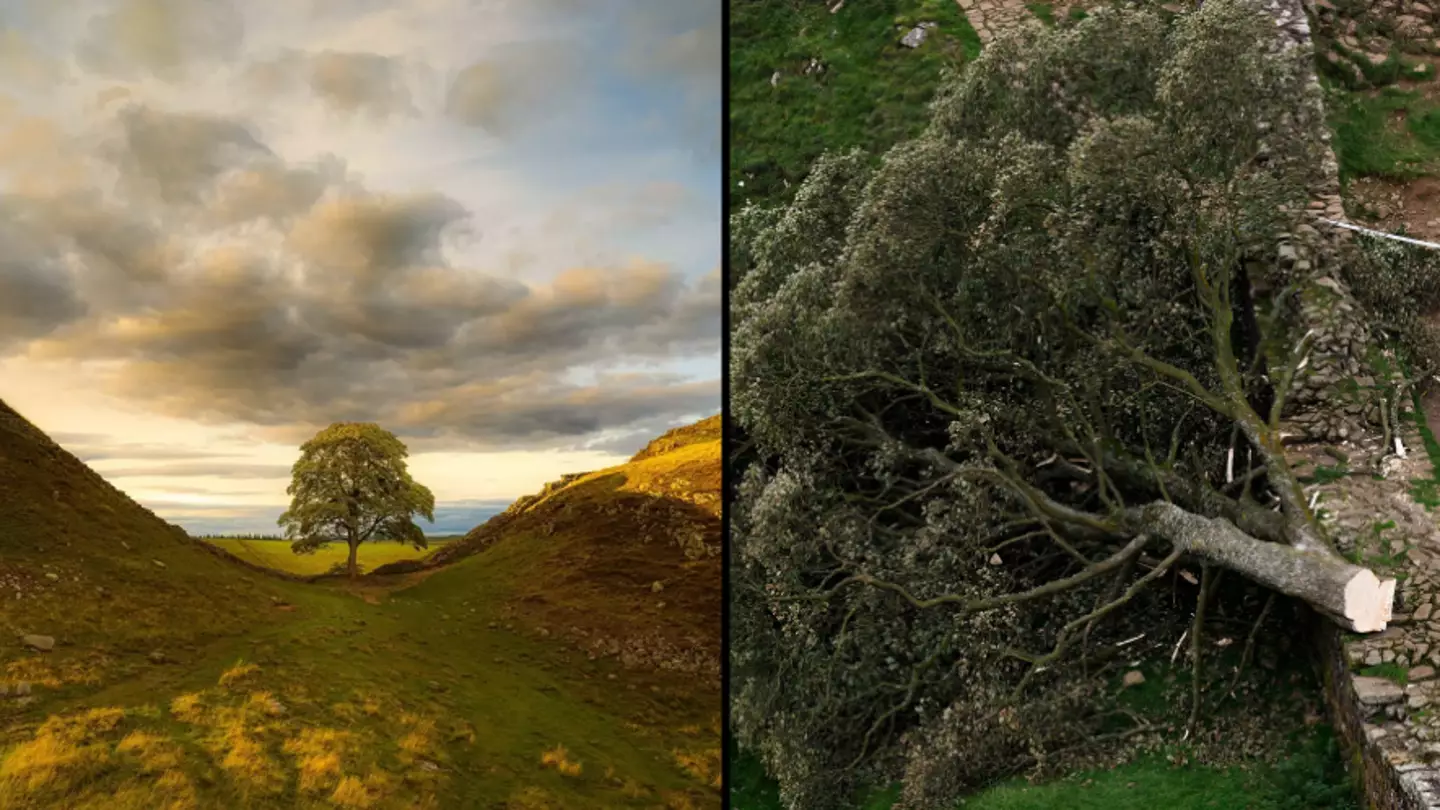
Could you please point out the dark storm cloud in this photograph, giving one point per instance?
(34, 300)
(37, 292)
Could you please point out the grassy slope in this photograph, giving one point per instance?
(428, 692)
(873, 92)
(277, 554)
(1392, 133)
(78, 561)
(596, 560)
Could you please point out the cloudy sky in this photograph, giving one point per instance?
(491, 226)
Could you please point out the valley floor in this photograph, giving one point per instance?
(277, 554)
(425, 696)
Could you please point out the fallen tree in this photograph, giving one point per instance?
(993, 387)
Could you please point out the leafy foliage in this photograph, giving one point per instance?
(351, 485)
(922, 351)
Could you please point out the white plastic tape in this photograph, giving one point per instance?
(1382, 234)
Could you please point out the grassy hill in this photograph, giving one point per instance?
(111, 582)
(182, 678)
(622, 561)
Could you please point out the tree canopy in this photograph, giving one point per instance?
(989, 387)
(351, 485)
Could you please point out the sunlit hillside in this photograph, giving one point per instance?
(622, 561)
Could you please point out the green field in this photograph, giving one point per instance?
(872, 93)
(1311, 778)
(277, 554)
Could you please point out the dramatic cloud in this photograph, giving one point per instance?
(36, 291)
(176, 156)
(337, 301)
(259, 219)
(271, 190)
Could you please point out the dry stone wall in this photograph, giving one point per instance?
(1338, 393)
(1382, 689)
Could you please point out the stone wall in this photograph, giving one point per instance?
(1387, 720)
(1379, 780)
(1324, 406)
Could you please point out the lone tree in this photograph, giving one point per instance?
(351, 485)
(989, 387)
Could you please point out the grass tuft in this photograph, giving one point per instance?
(559, 759)
(239, 674)
(702, 765)
(187, 707)
(352, 792)
(318, 753)
(66, 751)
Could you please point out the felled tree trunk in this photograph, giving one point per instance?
(1354, 597)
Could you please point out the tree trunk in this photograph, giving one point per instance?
(354, 547)
(1350, 595)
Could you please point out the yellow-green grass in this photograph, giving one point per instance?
(201, 684)
(277, 554)
(439, 705)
